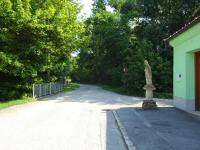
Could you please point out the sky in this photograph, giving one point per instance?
(87, 8)
(86, 12)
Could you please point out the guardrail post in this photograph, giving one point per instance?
(33, 91)
(45, 89)
(50, 88)
(40, 90)
(40, 93)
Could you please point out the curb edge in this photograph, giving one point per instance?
(128, 142)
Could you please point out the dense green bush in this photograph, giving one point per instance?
(134, 77)
(36, 40)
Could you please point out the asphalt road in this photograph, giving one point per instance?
(163, 129)
(78, 120)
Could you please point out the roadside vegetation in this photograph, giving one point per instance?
(38, 38)
(10, 103)
(71, 86)
(116, 89)
(123, 91)
(119, 41)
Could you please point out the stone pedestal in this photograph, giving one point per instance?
(149, 103)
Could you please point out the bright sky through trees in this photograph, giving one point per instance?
(87, 8)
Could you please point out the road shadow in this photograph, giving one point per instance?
(113, 139)
(164, 129)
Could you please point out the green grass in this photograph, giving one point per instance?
(163, 95)
(15, 102)
(9, 103)
(115, 89)
(71, 87)
(122, 91)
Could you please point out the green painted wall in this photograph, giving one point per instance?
(185, 46)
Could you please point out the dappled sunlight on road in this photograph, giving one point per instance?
(90, 94)
(77, 120)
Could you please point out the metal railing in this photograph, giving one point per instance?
(40, 90)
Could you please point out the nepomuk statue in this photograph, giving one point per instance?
(148, 73)
(149, 103)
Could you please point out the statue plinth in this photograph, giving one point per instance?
(149, 103)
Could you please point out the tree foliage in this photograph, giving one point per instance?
(36, 40)
(120, 41)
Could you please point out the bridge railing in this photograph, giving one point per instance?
(40, 90)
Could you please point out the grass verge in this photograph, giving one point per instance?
(115, 89)
(71, 87)
(9, 103)
(122, 91)
(15, 102)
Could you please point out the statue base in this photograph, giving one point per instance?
(149, 105)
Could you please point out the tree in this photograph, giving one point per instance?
(134, 79)
(98, 6)
(120, 41)
(36, 40)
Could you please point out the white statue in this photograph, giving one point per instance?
(149, 103)
(148, 73)
(149, 87)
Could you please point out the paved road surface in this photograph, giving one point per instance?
(163, 129)
(77, 120)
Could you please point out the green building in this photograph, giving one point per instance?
(186, 80)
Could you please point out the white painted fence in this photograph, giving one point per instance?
(40, 90)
